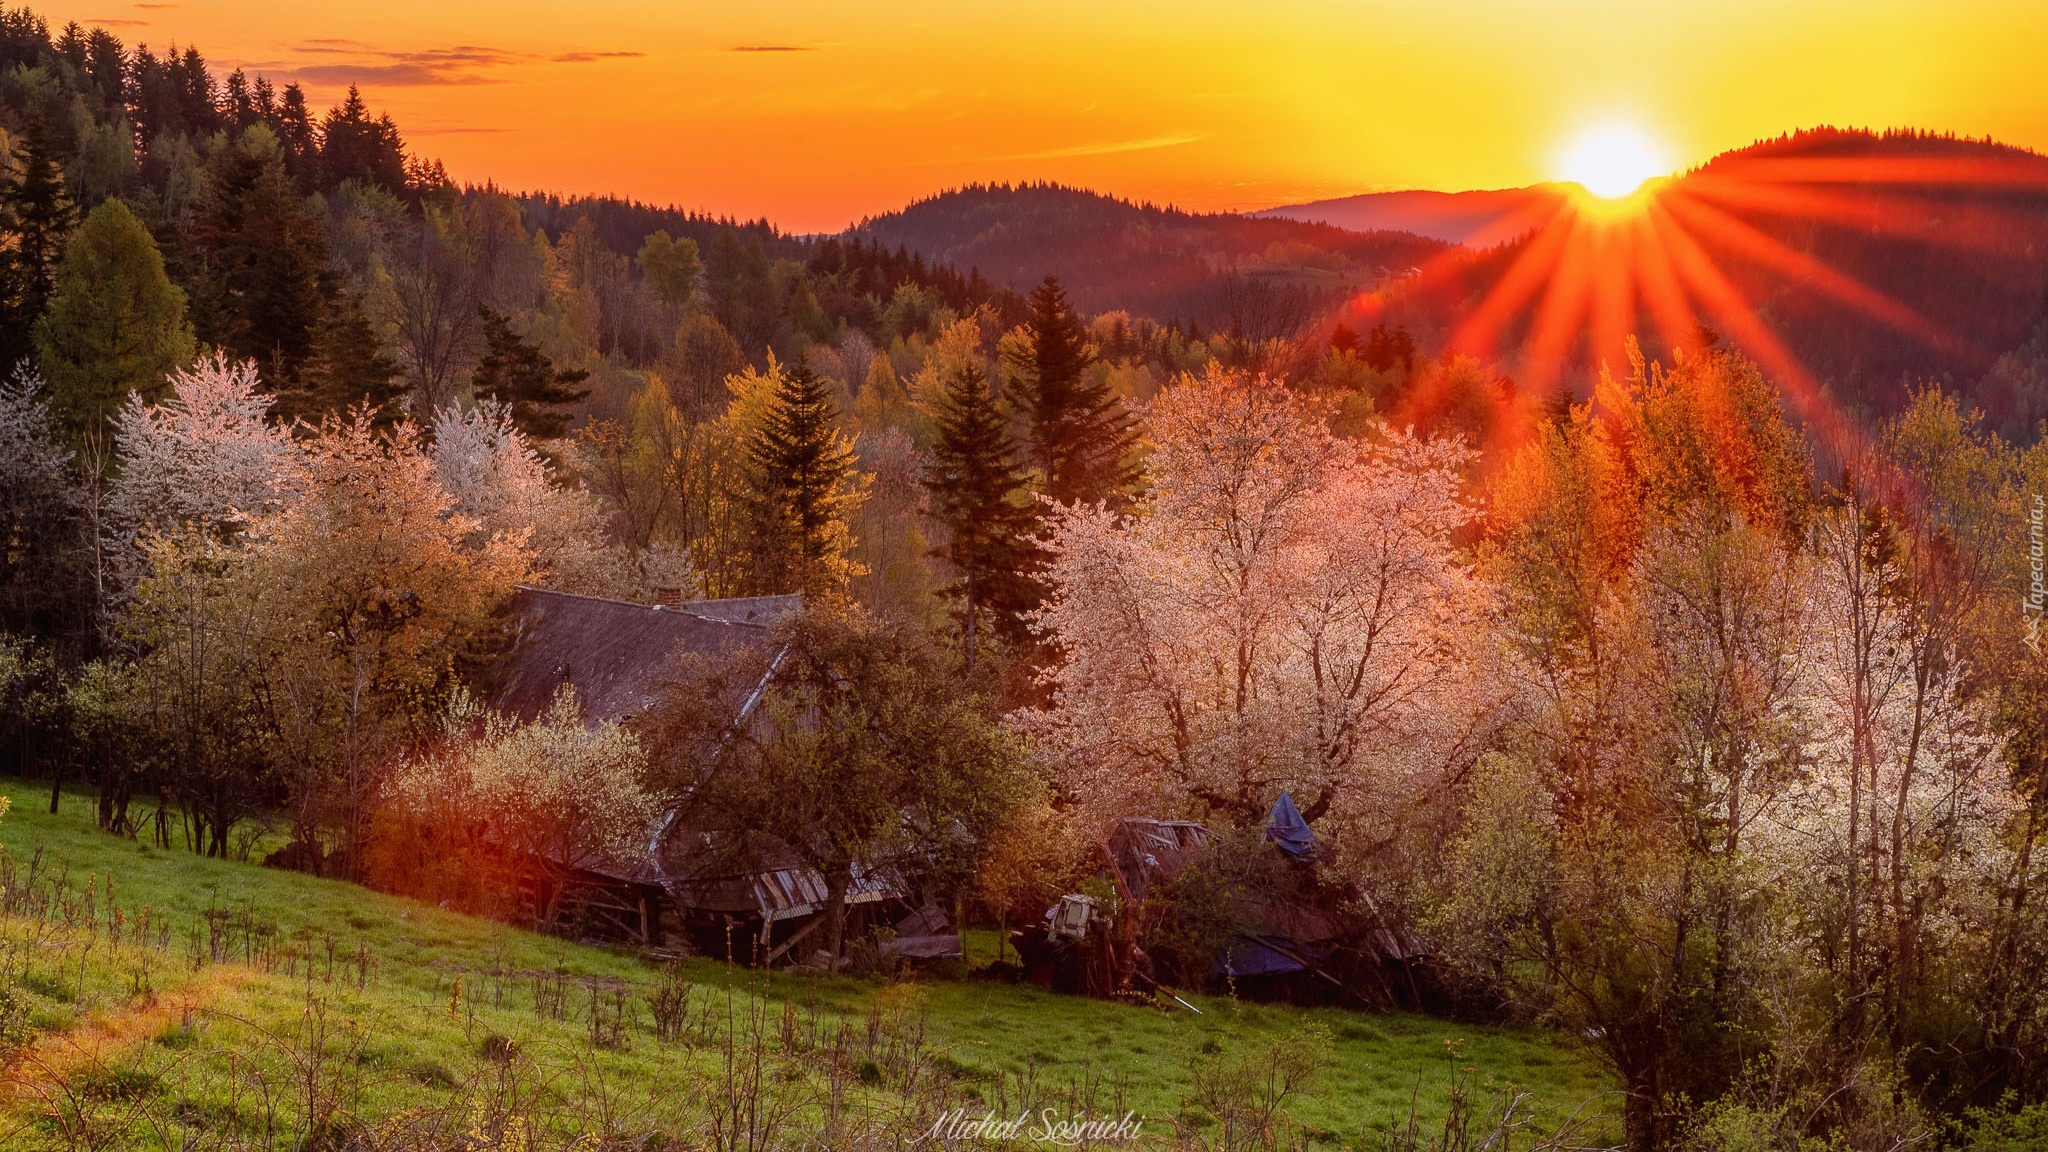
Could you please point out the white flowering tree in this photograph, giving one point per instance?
(501, 483)
(555, 789)
(1289, 613)
(205, 453)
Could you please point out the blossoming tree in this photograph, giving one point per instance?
(1289, 612)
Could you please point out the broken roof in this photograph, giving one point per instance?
(618, 655)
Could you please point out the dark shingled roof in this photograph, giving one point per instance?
(618, 655)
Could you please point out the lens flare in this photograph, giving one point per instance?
(1612, 161)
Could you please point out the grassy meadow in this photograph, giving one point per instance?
(154, 998)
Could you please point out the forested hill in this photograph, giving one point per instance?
(1876, 259)
(622, 225)
(1149, 260)
(1477, 219)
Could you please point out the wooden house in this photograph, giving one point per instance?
(715, 891)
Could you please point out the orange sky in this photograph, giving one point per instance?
(866, 104)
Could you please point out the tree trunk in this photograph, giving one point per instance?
(836, 882)
(971, 639)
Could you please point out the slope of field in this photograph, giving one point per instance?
(151, 992)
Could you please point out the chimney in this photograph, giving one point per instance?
(670, 598)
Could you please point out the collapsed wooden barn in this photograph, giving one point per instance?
(619, 657)
(749, 899)
(707, 891)
(1302, 946)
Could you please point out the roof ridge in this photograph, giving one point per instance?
(682, 611)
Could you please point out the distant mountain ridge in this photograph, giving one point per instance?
(1477, 219)
(1152, 261)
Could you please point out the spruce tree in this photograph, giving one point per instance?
(978, 494)
(1079, 435)
(739, 288)
(297, 138)
(257, 261)
(520, 376)
(115, 325)
(353, 146)
(801, 488)
(348, 366)
(36, 218)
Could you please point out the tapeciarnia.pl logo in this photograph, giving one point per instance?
(1046, 1127)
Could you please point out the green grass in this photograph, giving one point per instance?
(412, 1038)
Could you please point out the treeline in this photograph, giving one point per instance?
(1154, 261)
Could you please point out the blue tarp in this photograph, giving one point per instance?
(1285, 827)
(1251, 958)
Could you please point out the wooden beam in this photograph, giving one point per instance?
(806, 930)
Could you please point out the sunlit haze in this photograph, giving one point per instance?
(816, 114)
(1612, 160)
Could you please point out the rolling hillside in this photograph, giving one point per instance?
(1478, 219)
(1148, 260)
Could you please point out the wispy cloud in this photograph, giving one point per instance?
(356, 62)
(105, 22)
(1107, 148)
(588, 57)
(389, 75)
(773, 48)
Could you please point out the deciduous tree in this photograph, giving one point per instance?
(115, 325)
(1290, 613)
(861, 754)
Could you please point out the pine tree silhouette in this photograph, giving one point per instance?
(36, 212)
(978, 493)
(520, 376)
(1079, 435)
(800, 470)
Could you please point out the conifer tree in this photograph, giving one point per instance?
(348, 366)
(116, 324)
(298, 140)
(353, 146)
(258, 260)
(36, 217)
(520, 376)
(1077, 431)
(978, 494)
(801, 488)
(739, 287)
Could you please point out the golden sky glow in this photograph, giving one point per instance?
(816, 114)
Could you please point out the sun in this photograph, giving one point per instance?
(1611, 161)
